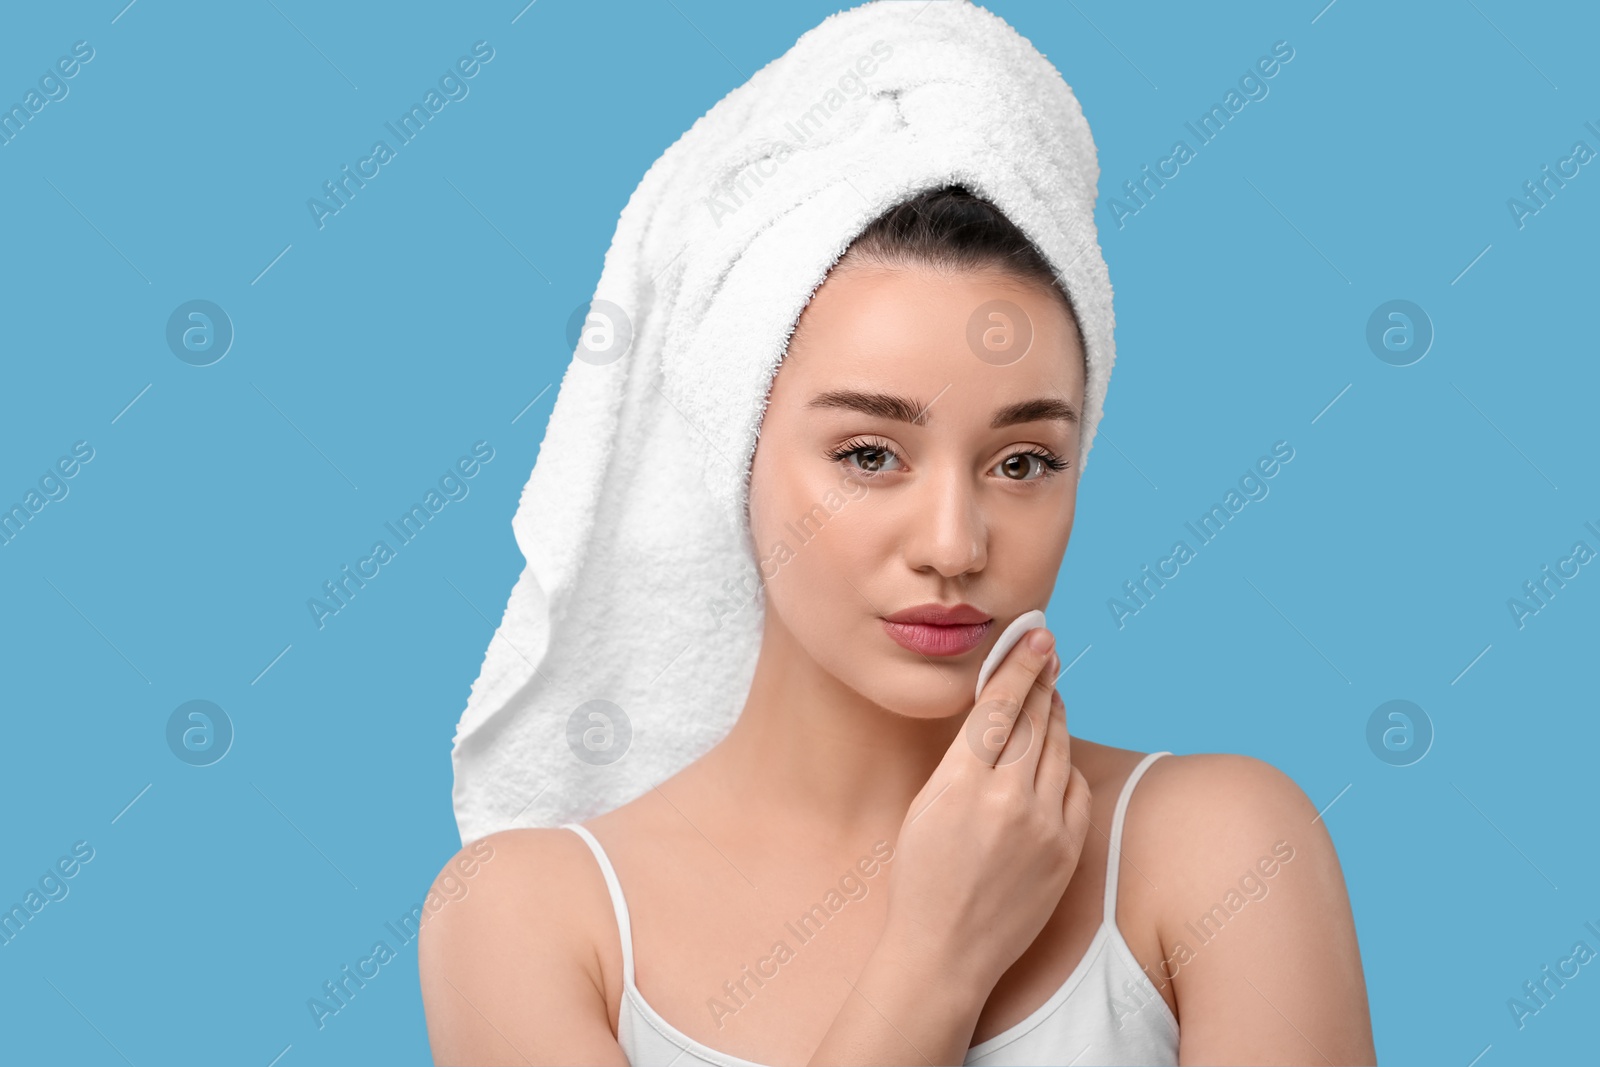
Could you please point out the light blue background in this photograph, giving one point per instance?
(430, 312)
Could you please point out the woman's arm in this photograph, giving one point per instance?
(508, 976)
(987, 848)
(1253, 916)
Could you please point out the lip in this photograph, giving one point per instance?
(939, 629)
(941, 615)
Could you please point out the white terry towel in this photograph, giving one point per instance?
(630, 640)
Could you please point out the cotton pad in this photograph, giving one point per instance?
(1028, 620)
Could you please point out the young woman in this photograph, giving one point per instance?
(874, 867)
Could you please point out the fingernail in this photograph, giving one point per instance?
(1041, 640)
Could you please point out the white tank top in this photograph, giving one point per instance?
(1106, 1012)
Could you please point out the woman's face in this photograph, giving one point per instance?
(858, 512)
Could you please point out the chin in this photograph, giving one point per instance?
(923, 690)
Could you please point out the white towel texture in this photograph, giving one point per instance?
(629, 642)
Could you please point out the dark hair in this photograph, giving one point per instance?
(953, 227)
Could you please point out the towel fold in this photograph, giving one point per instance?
(629, 642)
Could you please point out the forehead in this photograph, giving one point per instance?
(926, 329)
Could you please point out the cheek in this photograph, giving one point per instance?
(1064, 519)
(821, 569)
(814, 538)
(812, 543)
(1028, 538)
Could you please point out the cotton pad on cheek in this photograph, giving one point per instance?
(1028, 620)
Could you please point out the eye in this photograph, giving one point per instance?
(1016, 467)
(875, 454)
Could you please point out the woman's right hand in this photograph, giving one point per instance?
(990, 843)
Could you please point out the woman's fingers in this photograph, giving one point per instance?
(1055, 762)
(1075, 807)
(1026, 743)
(994, 720)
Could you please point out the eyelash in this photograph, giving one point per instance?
(1052, 465)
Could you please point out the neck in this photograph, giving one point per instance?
(808, 749)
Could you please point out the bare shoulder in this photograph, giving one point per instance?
(507, 952)
(1202, 822)
(513, 880)
(1252, 912)
(1204, 800)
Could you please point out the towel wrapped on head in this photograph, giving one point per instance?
(618, 660)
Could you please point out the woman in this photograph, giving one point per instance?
(873, 866)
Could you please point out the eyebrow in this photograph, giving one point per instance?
(901, 409)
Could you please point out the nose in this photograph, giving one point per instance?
(946, 527)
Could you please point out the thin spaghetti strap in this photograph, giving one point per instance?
(618, 904)
(1114, 851)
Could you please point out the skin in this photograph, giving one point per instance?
(847, 741)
